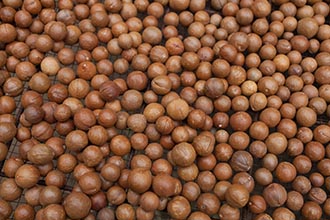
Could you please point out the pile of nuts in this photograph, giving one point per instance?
(200, 109)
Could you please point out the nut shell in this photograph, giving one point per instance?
(237, 195)
(7, 131)
(178, 109)
(139, 180)
(109, 91)
(183, 154)
(275, 195)
(40, 154)
(163, 185)
(77, 205)
(179, 207)
(27, 176)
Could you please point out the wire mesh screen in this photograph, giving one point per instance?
(14, 145)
